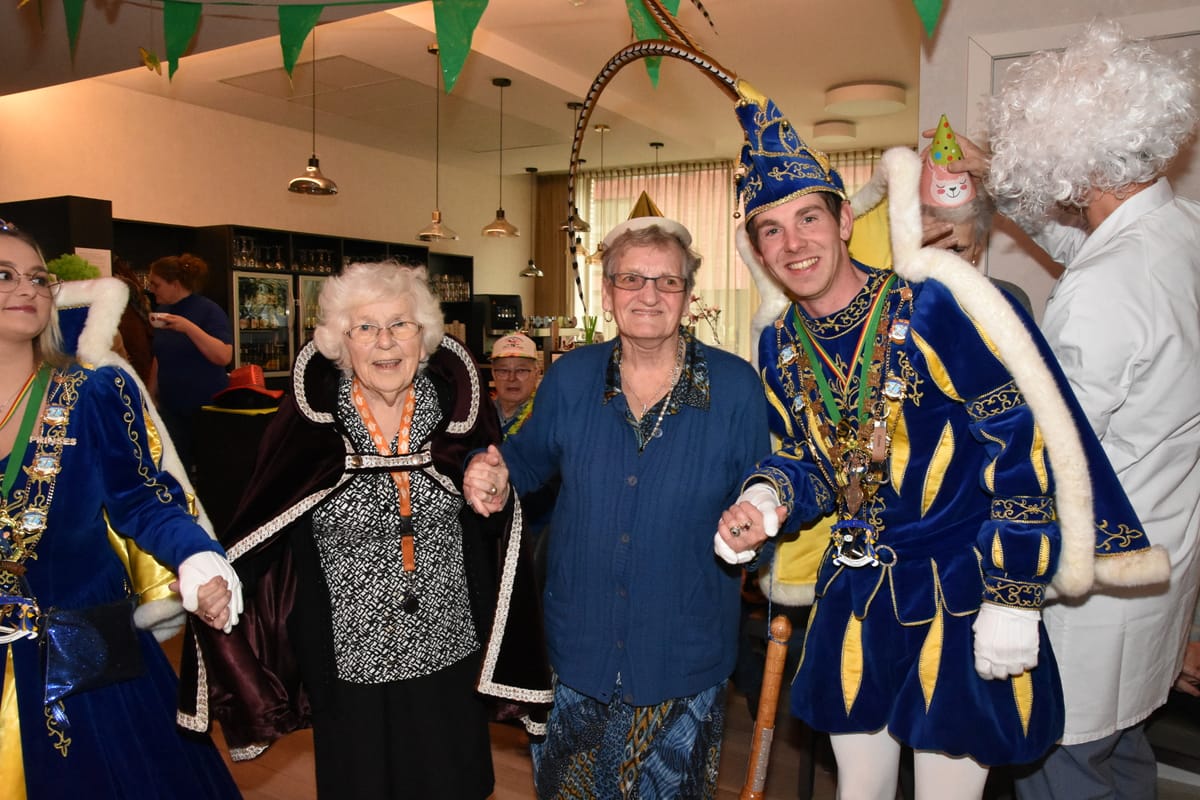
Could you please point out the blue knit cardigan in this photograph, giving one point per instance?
(632, 586)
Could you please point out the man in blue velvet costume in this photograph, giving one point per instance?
(921, 408)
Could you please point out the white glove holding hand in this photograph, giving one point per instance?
(197, 570)
(764, 498)
(1006, 641)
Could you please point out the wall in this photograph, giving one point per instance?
(162, 161)
(954, 82)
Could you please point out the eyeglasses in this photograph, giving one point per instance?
(512, 372)
(632, 282)
(43, 283)
(368, 333)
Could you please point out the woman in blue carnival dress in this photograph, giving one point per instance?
(79, 462)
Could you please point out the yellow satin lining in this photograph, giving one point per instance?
(936, 474)
(852, 662)
(1038, 459)
(783, 414)
(1022, 688)
(931, 655)
(12, 764)
(901, 449)
(149, 578)
(937, 370)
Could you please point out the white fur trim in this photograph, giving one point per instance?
(106, 299)
(772, 300)
(164, 618)
(789, 594)
(871, 194)
(984, 303)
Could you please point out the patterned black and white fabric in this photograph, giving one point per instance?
(358, 538)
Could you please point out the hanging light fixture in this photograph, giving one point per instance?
(500, 226)
(435, 230)
(311, 181)
(532, 271)
(597, 258)
(575, 222)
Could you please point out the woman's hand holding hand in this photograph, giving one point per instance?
(748, 523)
(211, 589)
(485, 483)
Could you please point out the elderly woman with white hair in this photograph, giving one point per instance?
(370, 587)
(1090, 131)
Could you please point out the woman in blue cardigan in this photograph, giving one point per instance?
(651, 435)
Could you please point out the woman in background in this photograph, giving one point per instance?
(193, 343)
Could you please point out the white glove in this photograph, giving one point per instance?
(1006, 641)
(197, 570)
(764, 497)
(729, 555)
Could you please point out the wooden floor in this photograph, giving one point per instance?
(285, 772)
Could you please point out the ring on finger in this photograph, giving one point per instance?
(209, 617)
(736, 530)
(492, 489)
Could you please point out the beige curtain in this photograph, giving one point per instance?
(855, 166)
(702, 197)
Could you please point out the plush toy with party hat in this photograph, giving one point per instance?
(941, 188)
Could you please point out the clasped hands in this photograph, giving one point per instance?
(210, 588)
(748, 523)
(485, 483)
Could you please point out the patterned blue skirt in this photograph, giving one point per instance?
(616, 750)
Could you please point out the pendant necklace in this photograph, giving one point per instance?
(676, 371)
(857, 442)
(409, 599)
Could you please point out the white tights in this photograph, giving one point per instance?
(868, 766)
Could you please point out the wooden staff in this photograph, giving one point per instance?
(768, 701)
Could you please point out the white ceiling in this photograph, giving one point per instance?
(376, 78)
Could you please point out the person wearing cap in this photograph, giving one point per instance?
(515, 373)
(917, 407)
(650, 434)
(1080, 140)
(228, 431)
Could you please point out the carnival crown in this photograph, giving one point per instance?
(776, 164)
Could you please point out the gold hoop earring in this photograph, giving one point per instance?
(608, 317)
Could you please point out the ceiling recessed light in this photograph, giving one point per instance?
(865, 99)
(833, 131)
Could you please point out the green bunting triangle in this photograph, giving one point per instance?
(644, 27)
(74, 12)
(929, 11)
(455, 21)
(295, 23)
(180, 20)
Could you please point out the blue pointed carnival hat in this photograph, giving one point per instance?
(776, 164)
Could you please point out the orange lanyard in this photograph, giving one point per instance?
(403, 484)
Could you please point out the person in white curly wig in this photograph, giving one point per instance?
(1091, 130)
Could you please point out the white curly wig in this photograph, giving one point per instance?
(1106, 113)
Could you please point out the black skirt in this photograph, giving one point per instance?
(417, 738)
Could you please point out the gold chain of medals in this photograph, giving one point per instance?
(858, 450)
(23, 519)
